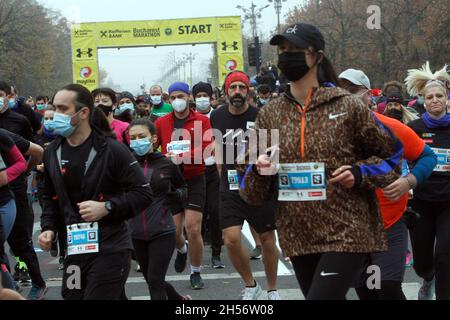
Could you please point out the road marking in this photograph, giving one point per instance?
(213, 276)
(410, 289)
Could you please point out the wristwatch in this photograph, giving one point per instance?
(109, 206)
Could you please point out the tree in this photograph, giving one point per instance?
(412, 32)
(35, 52)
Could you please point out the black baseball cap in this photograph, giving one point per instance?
(302, 35)
(395, 97)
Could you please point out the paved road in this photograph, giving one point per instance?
(224, 284)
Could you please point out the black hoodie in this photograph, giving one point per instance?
(112, 174)
(169, 190)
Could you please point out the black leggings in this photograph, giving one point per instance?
(211, 215)
(20, 239)
(154, 258)
(430, 238)
(327, 276)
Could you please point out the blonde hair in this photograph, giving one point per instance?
(408, 116)
(419, 79)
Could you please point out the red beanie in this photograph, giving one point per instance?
(236, 76)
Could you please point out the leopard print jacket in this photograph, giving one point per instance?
(339, 131)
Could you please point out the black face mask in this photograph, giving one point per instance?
(293, 65)
(395, 114)
(107, 110)
(238, 100)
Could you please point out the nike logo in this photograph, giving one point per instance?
(335, 116)
(323, 274)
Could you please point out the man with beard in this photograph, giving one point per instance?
(233, 211)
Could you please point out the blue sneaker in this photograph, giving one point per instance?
(37, 293)
(427, 290)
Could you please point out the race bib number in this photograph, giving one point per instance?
(302, 182)
(82, 238)
(179, 147)
(233, 180)
(443, 158)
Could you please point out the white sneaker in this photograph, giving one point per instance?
(273, 295)
(138, 268)
(252, 293)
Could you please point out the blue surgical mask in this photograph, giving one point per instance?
(156, 100)
(124, 107)
(41, 107)
(49, 125)
(141, 146)
(12, 103)
(421, 100)
(62, 125)
(2, 102)
(263, 101)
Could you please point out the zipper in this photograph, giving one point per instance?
(144, 217)
(303, 123)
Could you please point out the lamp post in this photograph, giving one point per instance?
(278, 6)
(190, 57)
(252, 14)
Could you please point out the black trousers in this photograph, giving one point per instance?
(211, 223)
(430, 238)
(20, 239)
(327, 276)
(103, 276)
(154, 259)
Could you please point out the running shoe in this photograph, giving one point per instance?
(186, 298)
(180, 261)
(54, 249)
(37, 293)
(252, 293)
(273, 295)
(217, 263)
(24, 277)
(138, 268)
(197, 281)
(427, 290)
(256, 253)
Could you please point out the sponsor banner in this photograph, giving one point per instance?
(225, 32)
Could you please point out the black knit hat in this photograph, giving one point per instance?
(202, 87)
(128, 95)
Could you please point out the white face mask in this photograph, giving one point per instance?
(179, 105)
(203, 104)
(156, 100)
(3, 105)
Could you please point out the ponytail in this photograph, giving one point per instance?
(326, 72)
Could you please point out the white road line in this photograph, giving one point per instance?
(282, 269)
(213, 276)
(410, 289)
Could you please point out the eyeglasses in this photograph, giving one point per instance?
(240, 86)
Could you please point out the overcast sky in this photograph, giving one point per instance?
(131, 67)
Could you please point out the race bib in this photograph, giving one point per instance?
(233, 180)
(302, 182)
(82, 238)
(443, 158)
(179, 147)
